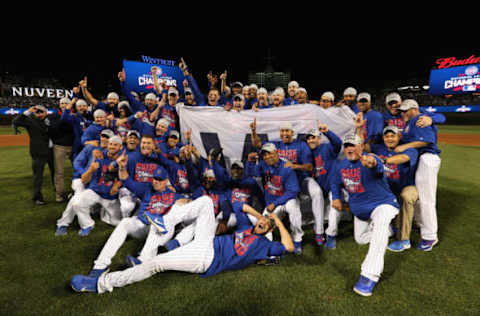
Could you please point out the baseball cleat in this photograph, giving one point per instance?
(132, 261)
(172, 244)
(331, 242)
(95, 273)
(157, 222)
(364, 286)
(85, 231)
(399, 245)
(61, 231)
(319, 239)
(82, 283)
(297, 247)
(427, 245)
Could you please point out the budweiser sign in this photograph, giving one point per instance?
(452, 62)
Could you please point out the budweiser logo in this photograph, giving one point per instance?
(452, 62)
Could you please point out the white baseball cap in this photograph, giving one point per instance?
(390, 128)
(293, 84)
(353, 139)
(115, 139)
(269, 147)
(313, 132)
(329, 95)
(81, 102)
(99, 112)
(151, 96)
(364, 95)
(238, 163)
(112, 95)
(408, 104)
(394, 96)
(286, 125)
(65, 100)
(350, 91)
(163, 121)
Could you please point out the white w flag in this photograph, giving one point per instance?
(214, 127)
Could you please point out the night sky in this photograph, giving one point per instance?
(318, 69)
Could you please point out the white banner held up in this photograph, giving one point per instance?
(213, 126)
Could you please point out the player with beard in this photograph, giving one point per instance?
(291, 91)
(80, 165)
(349, 96)
(262, 103)
(80, 120)
(281, 189)
(110, 106)
(91, 136)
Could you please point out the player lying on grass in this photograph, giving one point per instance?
(207, 254)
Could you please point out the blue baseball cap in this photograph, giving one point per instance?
(160, 174)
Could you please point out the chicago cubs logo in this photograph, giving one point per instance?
(243, 240)
(352, 180)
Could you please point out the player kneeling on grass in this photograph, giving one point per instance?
(400, 171)
(371, 202)
(156, 198)
(103, 189)
(207, 254)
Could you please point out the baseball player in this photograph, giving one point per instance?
(109, 107)
(349, 96)
(206, 255)
(103, 189)
(392, 115)
(318, 185)
(425, 141)
(80, 165)
(297, 154)
(263, 102)
(281, 189)
(372, 203)
(79, 120)
(141, 165)
(372, 129)
(170, 149)
(91, 136)
(292, 88)
(400, 171)
(156, 198)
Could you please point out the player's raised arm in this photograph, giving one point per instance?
(285, 237)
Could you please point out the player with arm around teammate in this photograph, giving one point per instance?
(425, 141)
(206, 255)
(371, 202)
(400, 171)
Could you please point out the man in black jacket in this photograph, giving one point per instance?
(36, 122)
(62, 135)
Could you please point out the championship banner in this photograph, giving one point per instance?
(213, 127)
(139, 76)
(455, 80)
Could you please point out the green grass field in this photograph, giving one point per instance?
(36, 266)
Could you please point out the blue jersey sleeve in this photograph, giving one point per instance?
(276, 249)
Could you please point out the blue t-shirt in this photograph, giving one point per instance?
(241, 249)
(99, 183)
(373, 128)
(398, 176)
(324, 157)
(296, 152)
(153, 202)
(367, 187)
(281, 183)
(428, 134)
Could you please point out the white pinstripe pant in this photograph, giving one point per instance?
(195, 257)
(376, 232)
(426, 183)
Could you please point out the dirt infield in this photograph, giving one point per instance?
(456, 139)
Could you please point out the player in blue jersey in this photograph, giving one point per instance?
(110, 106)
(91, 136)
(400, 171)
(349, 97)
(318, 184)
(292, 88)
(102, 188)
(372, 129)
(79, 120)
(425, 141)
(371, 202)
(80, 165)
(281, 189)
(207, 254)
(392, 116)
(263, 103)
(157, 198)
